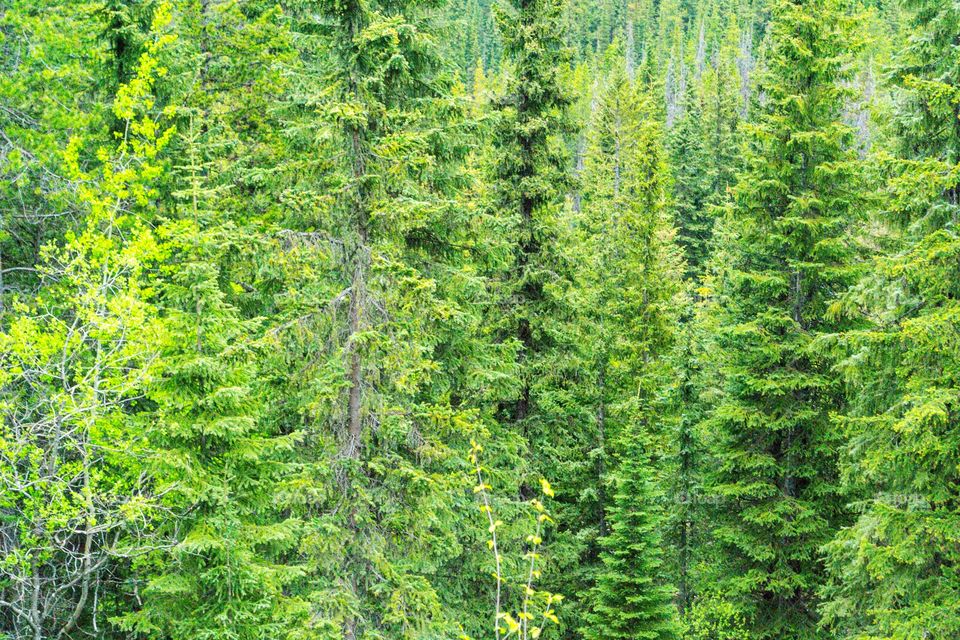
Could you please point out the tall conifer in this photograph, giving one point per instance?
(896, 572)
(783, 258)
(635, 273)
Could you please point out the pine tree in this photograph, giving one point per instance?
(894, 572)
(782, 259)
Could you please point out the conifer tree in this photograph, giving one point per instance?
(782, 260)
(216, 461)
(629, 599)
(531, 175)
(683, 465)
(635, 276)
(538, 303)
(380, 302)
(894, 572)
(692, 186)
(126, 25)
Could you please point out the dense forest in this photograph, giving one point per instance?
(480, 319)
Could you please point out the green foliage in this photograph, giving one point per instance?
(77, 356)
(48, 93)
(713, 618)
(629, 599)
(629, 238)
(694, 259)
(894, 571)
(783, 256)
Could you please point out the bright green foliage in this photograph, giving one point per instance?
(535, 609)
(219, 467)
(895, 571)
(48, 52)
(76, 357)
(631, 246)
(713, 618)
(782, 260)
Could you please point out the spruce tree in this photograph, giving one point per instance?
(683, 465)
(894, 572)
(629, 599)
(692, 184)
(537, 310)
(782, 260)
(634, 276)
(218, 464)
(379, 306)
(531, 175)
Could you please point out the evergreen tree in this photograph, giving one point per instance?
(126, 25)
(247, 344)
(692, 186)
(538, 303)
(380, 299)
(782, 260)
(895, 571)
(531, 173)
(635, 276)
(629, 599)
(683, 466)
(216, 461)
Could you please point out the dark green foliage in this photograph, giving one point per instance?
(629, 599)
(692, 185)
(630, 244)
(126, 23)
(782, 259)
